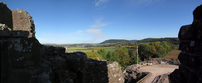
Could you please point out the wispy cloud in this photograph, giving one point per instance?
(142, 2)
(79, 32)
(100, 2)
(91, 32)
(99, 23)
(96, 32)
(95, 29)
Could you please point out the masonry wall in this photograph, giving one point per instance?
(190, 69)
(25, 60)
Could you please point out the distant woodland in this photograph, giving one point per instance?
(127, 55)
(125, 51)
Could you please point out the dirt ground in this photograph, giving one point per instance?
(157, 70)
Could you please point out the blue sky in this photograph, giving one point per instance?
(93, 21)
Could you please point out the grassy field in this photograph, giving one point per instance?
(106, 48)
(79, 49)
(173, 55)
(90, 49)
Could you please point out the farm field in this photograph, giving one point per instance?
(106, 48)
(79, 49)
(89, 49)
(173, 55)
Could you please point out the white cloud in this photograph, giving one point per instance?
(79, 32)
(92, 33)
(96, 32)
(100, 2)
(98, 23)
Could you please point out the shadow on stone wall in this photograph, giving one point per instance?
(190, 69)
(25, 60)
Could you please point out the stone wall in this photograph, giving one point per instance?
(23, 21)
(25, 60)
(5, 15)
(190, 69)
(16, 20)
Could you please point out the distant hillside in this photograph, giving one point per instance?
(147, 40)
(116, 41)
(171, 40)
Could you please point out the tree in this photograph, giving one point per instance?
(133, 56)
(102, 52)
(166, 46)
(153, 51)
(145, 52)
(159, 48)
(162, 48)
(121, 55)
(109, 56)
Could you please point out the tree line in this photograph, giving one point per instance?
(126, 56)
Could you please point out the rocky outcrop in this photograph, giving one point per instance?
(115, 73)
(156, 61)
(25, 60)
(132, 75)
(190, 69)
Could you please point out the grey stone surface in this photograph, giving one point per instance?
(23, 21)
(132, 74)
(115, 74)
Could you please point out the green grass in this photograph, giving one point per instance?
(79, 49)
(110, 49)
(86, 49)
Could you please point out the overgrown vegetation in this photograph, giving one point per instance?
(93, 55)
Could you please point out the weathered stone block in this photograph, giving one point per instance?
(23, 21)
(22, 34)
(177, 77)
(5, 15)
(115, 74)
(96, 71)
(5, 33)
(189, 74)
(189, 60)
(186, 33)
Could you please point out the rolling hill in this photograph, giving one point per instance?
(147, 40)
